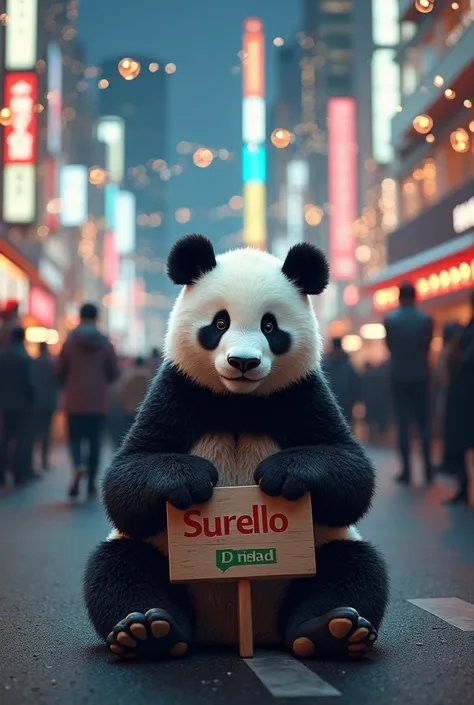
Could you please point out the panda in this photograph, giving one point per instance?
(240, 399)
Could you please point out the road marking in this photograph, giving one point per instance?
(285, 677)
(452, 610)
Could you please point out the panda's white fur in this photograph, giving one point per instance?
(247, 283)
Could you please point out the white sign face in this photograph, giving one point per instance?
(21, 33)
(73, 195)
(19, 193)
(463, 216)
(253, 120)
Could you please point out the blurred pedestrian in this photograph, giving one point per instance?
(86, 367)
(17, 395)
(343, 378)
(10, 320)
(131, 391)
(155, 361)
(46, 400)
(409, 333)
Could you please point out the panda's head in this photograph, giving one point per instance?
(243, 322)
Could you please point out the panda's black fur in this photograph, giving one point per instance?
(309, 448)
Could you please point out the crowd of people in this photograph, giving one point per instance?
(96, 391)
(99, 394)
(411, 393)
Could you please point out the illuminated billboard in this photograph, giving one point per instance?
(253, 134)
(19, 149)
(55, 88)
(125, 222)
(342, 187)
(21, 35)
(111, 261)
(73, 194)
(297, 181)
(111, 195)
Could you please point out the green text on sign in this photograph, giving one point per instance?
(226, 558)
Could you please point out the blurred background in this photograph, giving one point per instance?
(346, 124)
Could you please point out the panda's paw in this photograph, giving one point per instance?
(152, 635)
(338, 634)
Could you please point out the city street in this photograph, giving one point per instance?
(50, 655)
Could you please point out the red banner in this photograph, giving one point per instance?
(20, 138)
(342, 184)
(111, 261)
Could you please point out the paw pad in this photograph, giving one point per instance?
(153, 634)
(338, 634)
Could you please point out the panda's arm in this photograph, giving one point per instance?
(153, 465)
(319, 454)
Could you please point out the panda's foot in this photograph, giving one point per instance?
(153, 635)
(340, 633)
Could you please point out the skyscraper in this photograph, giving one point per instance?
(142, 106)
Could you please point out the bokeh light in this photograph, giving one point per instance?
(103, 83)
(183, 147)
(223, 154)
(313, 215)
(438, 81)
(170, 68)
(6, 117)
(278, 41)
(281, 138)
(424, 6)
(430, 138)
(449, 94)
(236, 203)
(183, 215)
(459, 140)
(97, 175)
(202, 157)
(351, 295)
(128, 68)
(423, 124)
(153, 67)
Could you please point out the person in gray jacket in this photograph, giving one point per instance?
(409, 333)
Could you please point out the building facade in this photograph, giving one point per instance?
(432, 244)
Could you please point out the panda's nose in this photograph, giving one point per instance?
(244, 364)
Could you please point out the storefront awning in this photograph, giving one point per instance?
(30, 270)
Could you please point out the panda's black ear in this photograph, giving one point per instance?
(190, 257)
(307, 268)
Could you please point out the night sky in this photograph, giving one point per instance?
(202, 37)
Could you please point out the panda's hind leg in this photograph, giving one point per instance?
(132, 604)
(337, 613)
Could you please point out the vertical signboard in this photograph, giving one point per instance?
(111, 131)
(21, 35)
(297, 179)
(111, 261)
(111, 195)
(73, 195)
(55, 88)
(342, 186)
(125, 222)
(19, 149)
(253, 134)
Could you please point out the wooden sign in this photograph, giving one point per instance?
(241, 533)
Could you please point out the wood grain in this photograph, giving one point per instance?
(275, 539)
(244, 592)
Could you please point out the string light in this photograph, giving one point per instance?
(128, 68)
(170, 68)
(468, 103)
(430, 138)
(153, 67)
(438, 81)
(278, 41)
(459, 140)
(450, 94)
(455, 5)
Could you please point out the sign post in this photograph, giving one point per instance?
(240, 534)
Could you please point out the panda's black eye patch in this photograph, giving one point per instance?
(209, 336)
(278, 340)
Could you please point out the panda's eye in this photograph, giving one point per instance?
(221, 324)
(268, 327)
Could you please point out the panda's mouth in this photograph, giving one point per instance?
(240, 379)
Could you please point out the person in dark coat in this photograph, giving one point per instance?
(17, 395)
(10, 321)
(409, 333)
(47, 390)
(459, 412)
(87, 366)
(343, 378)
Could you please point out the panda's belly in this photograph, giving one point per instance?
(216, 603)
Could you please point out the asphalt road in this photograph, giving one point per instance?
(50, 655)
